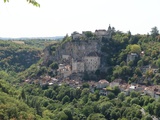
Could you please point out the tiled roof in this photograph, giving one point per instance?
(93, 54)
(103, 81)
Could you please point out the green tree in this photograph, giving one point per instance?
(135, 48)
(65, 99)
(116, 90)
(158, 63)
(62, 116)
(33, 2)
(121, 96)
(67, 111)
(157, 109)
(23, 95)
(88, 34)
(54, 65)
(154, 31)
(96, 116)
(138, 72)
(87, 110)
(111, 95)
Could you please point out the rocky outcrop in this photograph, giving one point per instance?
(77, 49)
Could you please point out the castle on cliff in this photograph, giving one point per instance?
(80, 56)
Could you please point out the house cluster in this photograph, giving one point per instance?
(153, 91)
(89, 63)
(98, 33)
(106, 87)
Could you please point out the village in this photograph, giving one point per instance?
(76, 58)
(103, 86)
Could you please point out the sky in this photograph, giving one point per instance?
(61, 17)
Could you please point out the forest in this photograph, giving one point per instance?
(20, 100)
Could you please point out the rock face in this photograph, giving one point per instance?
(77, 49)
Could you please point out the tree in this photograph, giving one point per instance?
(111, 95)
(135, 48)
(23, 94)
(121, 96)
(158, 63)
(88, 34)
(54, 65)
(129, 34)
(96, 116)
(68, 112)
(116, 90)
(65, 99)
(85, 85)
(115, 114)
(138, 71)
(157, 109)
(154, 31)
(33, 2)
(62, 116)
(87, 110)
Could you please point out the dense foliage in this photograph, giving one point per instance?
(17, 57)
(34, 102)
(39, 43)
(120, 45)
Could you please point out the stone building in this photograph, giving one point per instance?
(76, 35)
(103, 32)
(92, 62)
(89, 63)
(65, 57)
(77, 66)
(131, 57)
(102, 83)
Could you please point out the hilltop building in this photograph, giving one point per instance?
(98, 33)
(82, 53)
(104, 33)
(131, 57)
(76, 35)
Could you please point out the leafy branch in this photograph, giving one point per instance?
(33, 2)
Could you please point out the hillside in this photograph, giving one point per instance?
(43, 91)
(17, 57)
(133, 58)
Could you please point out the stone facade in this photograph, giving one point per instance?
(77, 66)
(88, 63)
(92, 63)
(102, 84)
(65, 57)
(76, 35)
(131, 57)
(104, 33)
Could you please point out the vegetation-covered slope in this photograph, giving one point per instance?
(17, 57)
(114, 52)
(62, 102)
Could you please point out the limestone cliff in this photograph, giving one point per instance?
(77, 49)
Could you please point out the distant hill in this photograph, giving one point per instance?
(27, 38)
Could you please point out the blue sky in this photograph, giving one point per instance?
(59, 17)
